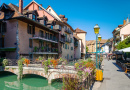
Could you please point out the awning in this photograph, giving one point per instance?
(125, 50)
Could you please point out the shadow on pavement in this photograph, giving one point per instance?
(120, 69)
(128, 75)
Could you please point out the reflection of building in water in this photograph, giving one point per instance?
(16, 85)
(13, 85)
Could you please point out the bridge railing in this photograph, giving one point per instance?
(12, 62)
(88, 82)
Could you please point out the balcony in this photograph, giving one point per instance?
(67, 40)
(62, 40)
(117, 37)
(45, 50)
(57, 27)
(45, 38)
(68, 31)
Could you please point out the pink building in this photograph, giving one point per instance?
(33, 32)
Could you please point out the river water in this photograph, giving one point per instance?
(8, 81)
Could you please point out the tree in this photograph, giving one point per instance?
(123, 44)
(86, 49)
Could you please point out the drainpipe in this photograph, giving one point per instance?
(17, 42)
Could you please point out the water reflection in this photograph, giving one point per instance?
(17, 85)
(9, 81)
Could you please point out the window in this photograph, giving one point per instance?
(51, 26)
(71, 48)
(41, 33)
(72, 33)
(51, 36)
(66, 36)
(71, 40)
(29, 29)
(2, 27)
(33, 30)
(45, 22)
(34, 17)
(40, 43)
(7, 14)
(30, 43)
(71, 56)
(49, 10)
(65, 46)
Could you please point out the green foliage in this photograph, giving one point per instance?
(5, 62)
(124, 44)
(20, 67)
(35, 49)
(46, 66)
(6, 68)
(42, 48)
(86, 49)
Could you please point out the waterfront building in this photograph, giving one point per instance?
(35, 31)
(82, 35)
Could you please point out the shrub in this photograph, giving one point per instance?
(5, 62)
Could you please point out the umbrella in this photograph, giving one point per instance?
(125, 49)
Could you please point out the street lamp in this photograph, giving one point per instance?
(99, 39)
(96, 30)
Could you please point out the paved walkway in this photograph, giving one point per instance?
(114, 78)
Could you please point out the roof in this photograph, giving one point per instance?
(42, 8)
(68, 26)
(30, 11)
(76, 37)
(77, 30)
(103, 41)
(5, 6)
(13, 7)
(54, 11)
(90, 42)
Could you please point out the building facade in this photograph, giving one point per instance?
(82, 35)
(34, 31)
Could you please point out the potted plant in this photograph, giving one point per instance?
(26, 61)
(35, 49)
(56, 49)
(42, 49)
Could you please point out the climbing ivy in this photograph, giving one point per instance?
(5, 62)
(20, 68)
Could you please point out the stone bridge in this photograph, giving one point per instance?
(52, 73)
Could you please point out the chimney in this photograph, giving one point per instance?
(21, 6)
(124, 22)
(41, 4)
(127, 20)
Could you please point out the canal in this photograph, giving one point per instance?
(8, 81)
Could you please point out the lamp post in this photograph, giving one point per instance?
(99, 39)
(96, 30)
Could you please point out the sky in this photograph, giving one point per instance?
(84, 14)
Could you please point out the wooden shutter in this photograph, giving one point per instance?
(33, 30)
(0, 28)
(4, 27)
(28, 28)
